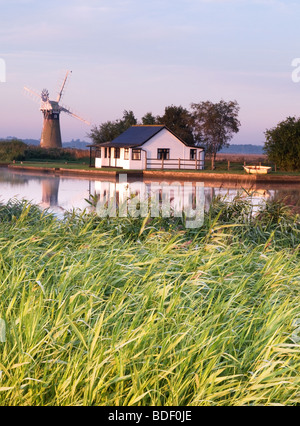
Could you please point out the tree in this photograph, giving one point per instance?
(128, 120)
(104, 132)
(109, 130)
(214, 124)
(283, 144)
(149, 119)
(178, 119)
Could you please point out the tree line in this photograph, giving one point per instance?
(15, 149)
(207, 124)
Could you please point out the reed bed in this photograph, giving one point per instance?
(145, 312)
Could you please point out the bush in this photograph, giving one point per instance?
(12, 150)
(283, 144)
(37, 153)
(17, 150)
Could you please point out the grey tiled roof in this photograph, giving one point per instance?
(135, 136)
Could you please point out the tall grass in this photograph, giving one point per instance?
(123, 312)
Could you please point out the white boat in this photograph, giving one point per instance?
(258, 170)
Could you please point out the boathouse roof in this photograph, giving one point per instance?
(138, 135)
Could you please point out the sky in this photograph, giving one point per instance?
(146, 55)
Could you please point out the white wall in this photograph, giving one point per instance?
(112, 162)
(165, 139)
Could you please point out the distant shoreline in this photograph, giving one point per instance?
(241, 157)
(235, 149)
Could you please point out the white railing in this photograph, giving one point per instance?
(175, 164)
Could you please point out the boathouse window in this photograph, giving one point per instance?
(117, 152)
(193, 154)
(136, 154)
(126, 153)
(98, 153)
(105, 152)
(163, 154)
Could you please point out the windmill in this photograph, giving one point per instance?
(51, 135)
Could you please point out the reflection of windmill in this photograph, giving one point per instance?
(51, 136)
(50, 192)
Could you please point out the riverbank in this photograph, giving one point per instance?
(199, 175)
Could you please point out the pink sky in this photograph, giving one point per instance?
(143, 56)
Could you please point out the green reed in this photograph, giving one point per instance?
(145, 312)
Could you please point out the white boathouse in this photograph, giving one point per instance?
(145, 147)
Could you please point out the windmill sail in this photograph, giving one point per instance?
(75, 115)
(63, 86)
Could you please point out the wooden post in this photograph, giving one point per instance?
(196, 162)
(91, 156)
(228, 166)
(179, 163)
(212, 163)
(162, 162)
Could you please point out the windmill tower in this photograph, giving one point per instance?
(51, 135)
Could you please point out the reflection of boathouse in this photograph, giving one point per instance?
(173, 196)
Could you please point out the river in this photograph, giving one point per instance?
(62, 193)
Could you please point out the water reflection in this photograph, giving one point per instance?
(61, 193)
(257, 196)
(50, 192)
(54, 192)
(151, 199)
